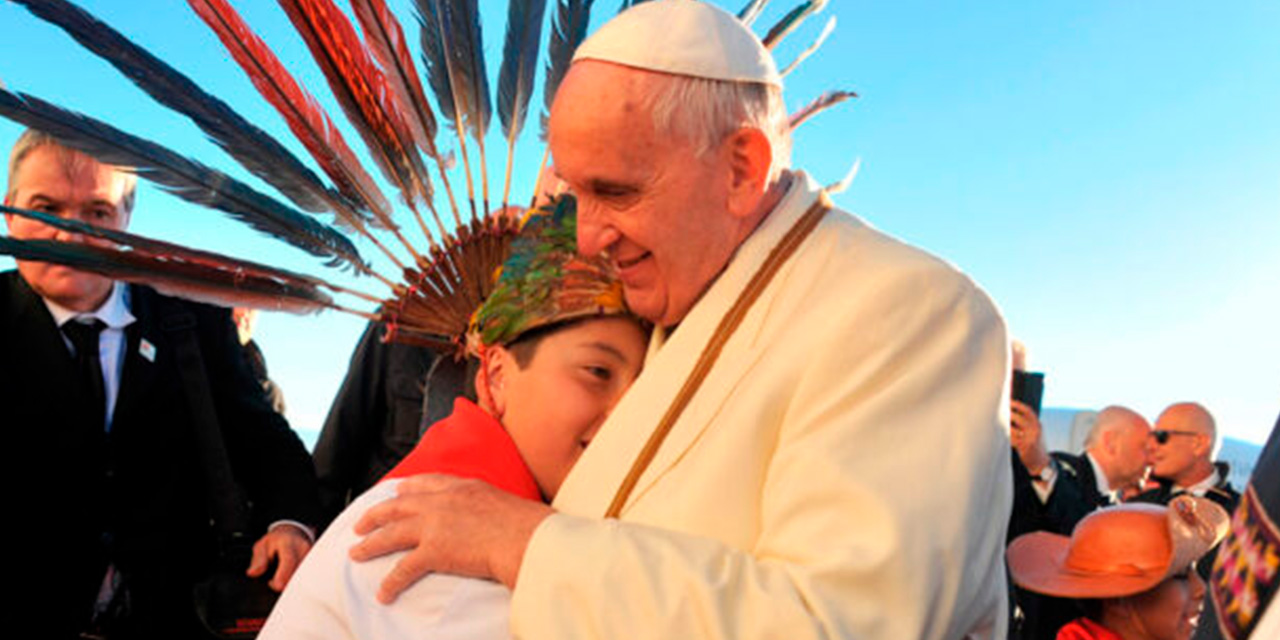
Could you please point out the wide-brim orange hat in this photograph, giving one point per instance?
(1118, 551)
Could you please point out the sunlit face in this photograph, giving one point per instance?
(658, 210)
(68, 185)
(1179, 453)
(1171, 610)
(1132, 453)
(553, 407)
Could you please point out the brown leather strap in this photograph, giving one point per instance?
(728, 324)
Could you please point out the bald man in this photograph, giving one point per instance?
(1053, 492)
(1182, 458)
(1069, 486)
(1182, 462)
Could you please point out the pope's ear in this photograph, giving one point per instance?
(749, 156)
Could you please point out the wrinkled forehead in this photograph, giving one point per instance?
(593, 87)
(610, 108)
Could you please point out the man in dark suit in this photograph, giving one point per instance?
(1182, 462)
(1182, 458)
(1053, 492)
(391, 394)
(110, 503)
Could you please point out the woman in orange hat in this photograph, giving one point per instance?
(1130, 567)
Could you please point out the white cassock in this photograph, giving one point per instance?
(843, 471)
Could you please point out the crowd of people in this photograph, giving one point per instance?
(724, 436)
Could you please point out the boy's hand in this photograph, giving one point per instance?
(449, 525)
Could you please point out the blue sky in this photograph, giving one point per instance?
(1108, 171)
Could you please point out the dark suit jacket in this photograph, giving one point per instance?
(135, 497)
(379, 415)
(1075, 495)
(1222, 493)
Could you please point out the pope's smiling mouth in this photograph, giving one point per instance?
(631, 262)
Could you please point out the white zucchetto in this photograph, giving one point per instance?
(682, 37)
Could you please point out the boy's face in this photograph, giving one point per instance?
(553, 407)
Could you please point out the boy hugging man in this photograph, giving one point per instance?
(555, 348)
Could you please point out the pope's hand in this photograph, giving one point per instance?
(448, 525)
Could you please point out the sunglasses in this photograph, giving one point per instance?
(1162, 435)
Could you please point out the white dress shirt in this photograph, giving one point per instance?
(114, 313)
(1200, 488)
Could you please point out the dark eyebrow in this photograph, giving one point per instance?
(607, 348)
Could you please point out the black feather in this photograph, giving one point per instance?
(192, 280)
(162, 248)
(251, 146)
(568, 32)
(627, 4)
(180, 176)
(519, 61)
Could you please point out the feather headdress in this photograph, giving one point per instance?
(438, 285)
(544, 281)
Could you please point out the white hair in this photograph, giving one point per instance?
(705, 111)
(32, 139)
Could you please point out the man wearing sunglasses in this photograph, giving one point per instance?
(1181, 462)
(1181, 458)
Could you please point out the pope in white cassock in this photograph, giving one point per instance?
(816, 447)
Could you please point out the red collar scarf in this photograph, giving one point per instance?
(1085, 629)
(470, 443)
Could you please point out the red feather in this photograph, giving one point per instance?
(303, 114)
(385, 37)
(364, 94)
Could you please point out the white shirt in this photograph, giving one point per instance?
(332, 597)
(1200, 488)
(1049, 477)
(1104, 487)
(114, 313)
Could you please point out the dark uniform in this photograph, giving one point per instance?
(1221, 493)
(1075, 495)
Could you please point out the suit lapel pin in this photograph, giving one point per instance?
(147, 350)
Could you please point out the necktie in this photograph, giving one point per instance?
(84, 337)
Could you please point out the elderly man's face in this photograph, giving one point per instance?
(1131, 451)
(67, 185)
(659, 212)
